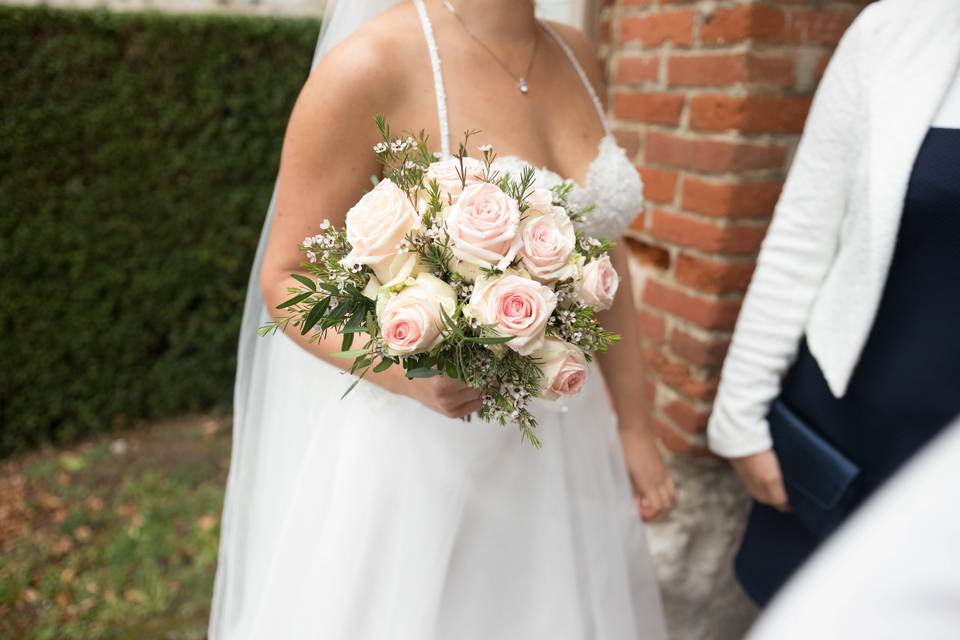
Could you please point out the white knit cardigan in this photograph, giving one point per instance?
(824, 262)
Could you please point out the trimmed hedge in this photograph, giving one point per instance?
(137, 157)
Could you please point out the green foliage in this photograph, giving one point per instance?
(137, 157)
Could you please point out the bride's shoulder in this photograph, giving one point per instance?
(583, 48)
(375, 61)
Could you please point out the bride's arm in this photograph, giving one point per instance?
(621, 367)
(325, 168)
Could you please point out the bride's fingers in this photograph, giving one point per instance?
(465, 409)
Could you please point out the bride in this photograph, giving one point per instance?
(382, 515)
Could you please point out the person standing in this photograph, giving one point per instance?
(844, 361)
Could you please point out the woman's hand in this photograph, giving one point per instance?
(653, 487)
(760, 474)
(444, 395)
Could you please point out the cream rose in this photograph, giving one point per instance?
(564, 369)
(547, 241)
(411, 321)
(447, 175)
(599, 284)
(483, 227)
(516, 306)
(377, 224)
(540, 201)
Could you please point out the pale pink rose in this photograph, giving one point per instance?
(547, 242)
(377, 224)
(516, 306)
(599, 285)
(447, 175)
(411, 321)
(540, 201)
(483, 227)
(564, 369)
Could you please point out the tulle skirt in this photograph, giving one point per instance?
(372, 517)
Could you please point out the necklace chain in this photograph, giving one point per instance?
(520, 80)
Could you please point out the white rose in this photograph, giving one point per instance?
(377, 224)
(599, 285)
(547, 240)
(483, 227)
(411, 321)
(540, 201)
(447, 175)
(564, 369)
(516, 306)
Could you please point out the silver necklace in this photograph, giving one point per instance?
(521, 80)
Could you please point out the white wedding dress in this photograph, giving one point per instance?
(372, 517)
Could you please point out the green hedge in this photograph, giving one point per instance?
(137, 156)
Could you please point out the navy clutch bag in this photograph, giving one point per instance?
(820, 480)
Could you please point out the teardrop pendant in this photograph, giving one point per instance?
(522, 85)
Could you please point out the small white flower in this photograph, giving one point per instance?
(398, 145)
(325, 224)
(311, 256)
(486, 148)
(308, 241)
(437, 155)
(411, 142)
(410, 164)
(380, 147)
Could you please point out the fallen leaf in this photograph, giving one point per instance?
(206, 522)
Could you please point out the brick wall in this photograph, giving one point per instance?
(710, 97)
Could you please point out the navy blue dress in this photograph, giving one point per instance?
(906, 386)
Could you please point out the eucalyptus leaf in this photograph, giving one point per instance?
(305, 281)
(422, 373)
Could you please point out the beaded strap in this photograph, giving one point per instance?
(437, 78)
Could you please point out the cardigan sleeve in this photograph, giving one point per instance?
(795, 257)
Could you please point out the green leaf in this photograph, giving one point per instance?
(347, 342)
(314, 316)
(383, 365)
(304, 280)
(489, 339)
(294, 300)
(422, 373)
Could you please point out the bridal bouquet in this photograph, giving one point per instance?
(450, 267)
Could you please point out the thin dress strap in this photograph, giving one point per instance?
(580, 72)
(437, 77)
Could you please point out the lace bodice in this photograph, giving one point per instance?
(612, 184)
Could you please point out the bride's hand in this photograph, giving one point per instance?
(444, 395)
(653, 487)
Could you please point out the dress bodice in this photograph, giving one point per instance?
(612, 184)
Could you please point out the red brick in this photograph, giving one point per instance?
(659, 185)
(706, 70)
(749, 114)
(655, 29)
(639, 223)
(706, 236)
(720, 69)
(637, 69)
(704, 391)
(714, 276)
(686, 416)
(715, 314)
(739, 23)
(629, 140)
(670, 437)
(712, 156)
(811, 26)
(730, 199)
(702, 352)
(648, 255)
(655, 108)
(652, 327)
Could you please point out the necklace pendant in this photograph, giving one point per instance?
(522, 85)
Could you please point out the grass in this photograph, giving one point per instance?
(114, 538)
